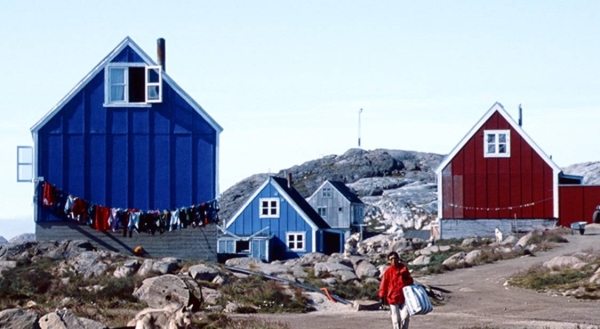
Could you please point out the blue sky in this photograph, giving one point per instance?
(286, 79)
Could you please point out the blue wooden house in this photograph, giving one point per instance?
(277, 223)
(127, 136)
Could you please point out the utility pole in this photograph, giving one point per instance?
(359, 112)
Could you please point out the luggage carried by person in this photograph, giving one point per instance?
(417, 300)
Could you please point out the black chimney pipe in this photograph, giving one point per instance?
(161, 53)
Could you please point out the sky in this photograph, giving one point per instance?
(287, 79)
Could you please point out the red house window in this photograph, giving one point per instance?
(496, 143)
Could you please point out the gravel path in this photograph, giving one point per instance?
(479, 298)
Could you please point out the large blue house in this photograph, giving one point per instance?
(128, 137)
(277, 223)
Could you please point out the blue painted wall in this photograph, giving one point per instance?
(249, 222)
(157, 157)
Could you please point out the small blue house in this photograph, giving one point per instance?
(128, 137)
(277, 223)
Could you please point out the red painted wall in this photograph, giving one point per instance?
(577, 203)
(475, 187)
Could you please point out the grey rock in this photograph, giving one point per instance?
(204, 272)
(87, 264)
(16, 318)
(365, 269)
(564, 262)
(421, 260)
(473, 256)
(7, 264)
(163, 290)
(243, 262)
(66, 320)
(455, 259)
(322, 268)
(127, 269)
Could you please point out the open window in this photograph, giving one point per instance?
(242, 247)
(24, 164)
(132, 85)
(496, 143)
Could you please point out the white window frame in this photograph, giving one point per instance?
(157, 84)
(496, 143)
(24, 164)
(269, 207)
(327, 193)
(322, 211)
(295, 240)
(108, 102)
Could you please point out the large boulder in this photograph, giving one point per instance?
(66, 320)
(161, 291)
(16, 318)
(204, 272)
(565, 262)
(87, 264)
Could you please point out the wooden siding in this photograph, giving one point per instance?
(158, 157)
(248, 222)
(335, 218)
(194, 244)
(475, 187)
(577, 203)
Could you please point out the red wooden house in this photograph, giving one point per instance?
(498, 177)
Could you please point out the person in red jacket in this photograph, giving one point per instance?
(394, 279)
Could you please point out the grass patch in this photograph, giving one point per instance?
(539, 277)
(264, 296)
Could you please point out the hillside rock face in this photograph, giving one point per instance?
(397, 186)
(589, 170)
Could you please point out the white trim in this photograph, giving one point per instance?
(317, 190)
(247, 203)
(269, 208)
(496, 133)
(296, 233)
(158, 84)
(496, 107)
(294, 205)
(282, 194)
(314, 241)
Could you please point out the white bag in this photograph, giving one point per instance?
(417, 300)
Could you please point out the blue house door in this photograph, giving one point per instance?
(260, 250)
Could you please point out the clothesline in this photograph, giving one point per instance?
(71, 208)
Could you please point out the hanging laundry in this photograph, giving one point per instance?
(49, 196)
(102, 215)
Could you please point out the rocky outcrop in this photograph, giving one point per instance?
(19, 319)
(397, 186)
(66, 320)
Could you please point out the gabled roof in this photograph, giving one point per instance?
(127, 42)
(497, 107)
(292, 196)
(342, 188)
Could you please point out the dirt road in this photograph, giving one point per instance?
(479, 298)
